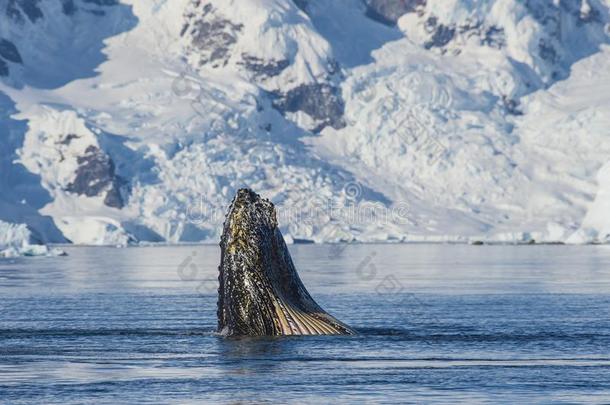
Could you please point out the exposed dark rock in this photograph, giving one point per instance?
(212, 36)
(9, 51)
(511, 106)
(3, 68)
(430, 24)
(261, 68)
(113, 196)
(320, 101)
(389, 11)
(96, 175)
(551, 14)
(332, 67)
(16, 9)
(441, 36)
(68, 139)
(547, 51)
(493, 37)
(488, 35)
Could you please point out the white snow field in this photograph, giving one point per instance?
(135, 121)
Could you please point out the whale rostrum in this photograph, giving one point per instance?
(260, 292)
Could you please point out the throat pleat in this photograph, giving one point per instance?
(291, 320)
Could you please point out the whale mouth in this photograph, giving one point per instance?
(260, 292)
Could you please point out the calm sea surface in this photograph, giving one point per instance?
(438, 323)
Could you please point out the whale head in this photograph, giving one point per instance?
(260, 292)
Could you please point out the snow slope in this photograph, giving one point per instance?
(362, 120)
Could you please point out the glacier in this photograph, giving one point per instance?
(125, 122)
(16, 240)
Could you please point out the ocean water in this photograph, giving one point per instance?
(438, 323)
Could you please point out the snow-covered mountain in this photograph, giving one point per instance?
(372, 120)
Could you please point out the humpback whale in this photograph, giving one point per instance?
(260, 292)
